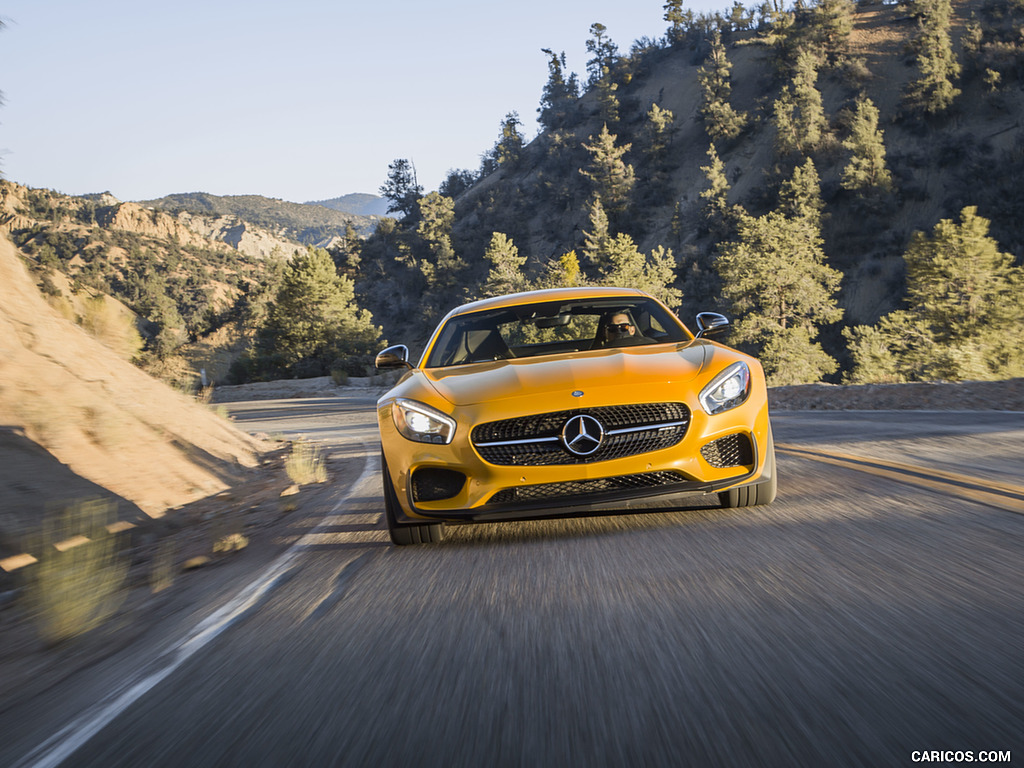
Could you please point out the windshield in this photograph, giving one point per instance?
(553, 328)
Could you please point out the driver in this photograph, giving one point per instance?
(618, 330)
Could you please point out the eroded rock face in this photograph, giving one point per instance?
(191, 229)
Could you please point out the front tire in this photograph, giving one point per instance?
(758, 493)
(404, 534)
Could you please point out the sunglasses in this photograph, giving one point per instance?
(620, 327)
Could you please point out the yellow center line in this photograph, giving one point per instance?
(1001, 495)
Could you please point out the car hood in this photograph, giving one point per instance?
(638, 373)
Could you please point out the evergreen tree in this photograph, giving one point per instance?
(964, 315)
(866, 171)
(441, 267)
(787, 138)
(654, 274)
(776, 278)
(506, 275)
(680, 21)
(832, 24)
(563, 272)
(608, 100)
(800, 196)
(658, 133)
(961, 284)
(721, 121)
(509, 149)
(314, 319)
(605, 54)
(717, 212)
(439, 264)
(558, 100)
(934, 91)
(613, 179)
(597, 240)
(401, 187)
(810, 113)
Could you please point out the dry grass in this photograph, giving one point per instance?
(77, 583)
(305, 465)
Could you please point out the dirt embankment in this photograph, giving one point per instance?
(77, 421)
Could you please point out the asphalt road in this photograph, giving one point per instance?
(853, 622)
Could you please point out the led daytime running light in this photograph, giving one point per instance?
(421, 423)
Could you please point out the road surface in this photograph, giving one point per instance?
(859, 620)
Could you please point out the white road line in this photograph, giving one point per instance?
(69, 739)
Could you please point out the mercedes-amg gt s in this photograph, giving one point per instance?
(564, 402)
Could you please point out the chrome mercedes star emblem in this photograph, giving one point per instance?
(582, 435)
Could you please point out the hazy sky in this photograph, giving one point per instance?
(300, 100)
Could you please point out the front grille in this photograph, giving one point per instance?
(629, 430)
(583, 488)
(730, 451)
(435, 484)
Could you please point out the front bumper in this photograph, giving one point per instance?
(493, 492)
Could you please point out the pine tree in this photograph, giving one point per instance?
(654, 274)
(563, 272)
(439, 265)
(598, 239)
(608, 99)
(613, 179)
(800, 196)
(964, 315)
(506, 275)
(810, 113)
(934, 91)
(315, 318)
(558, 100)
(605, 54)
(832, 24)
(509, 148)
(776, 278)
(866, 171)
(717, 212)
(401, 188)
(959, 281)
(787, 137)
(721, 121)
(680, 20)
(658, 132)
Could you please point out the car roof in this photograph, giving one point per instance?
(548, 294)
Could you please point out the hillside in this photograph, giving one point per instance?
(360, 204)
(317, 224)
(970, 155)
(80, 422)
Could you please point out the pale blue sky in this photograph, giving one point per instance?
(303, 100)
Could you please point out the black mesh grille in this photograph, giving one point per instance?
(531, 452)
(584, 488)
(731, 451)
(434, 484)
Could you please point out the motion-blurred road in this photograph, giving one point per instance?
(853, 622)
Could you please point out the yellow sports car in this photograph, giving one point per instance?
(565, 402)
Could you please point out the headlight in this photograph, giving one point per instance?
(422, 423)
(727, 390)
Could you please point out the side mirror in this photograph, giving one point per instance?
(393, 357)
(710, 323)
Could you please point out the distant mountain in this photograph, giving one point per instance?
(359, 203)
(308, 224)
